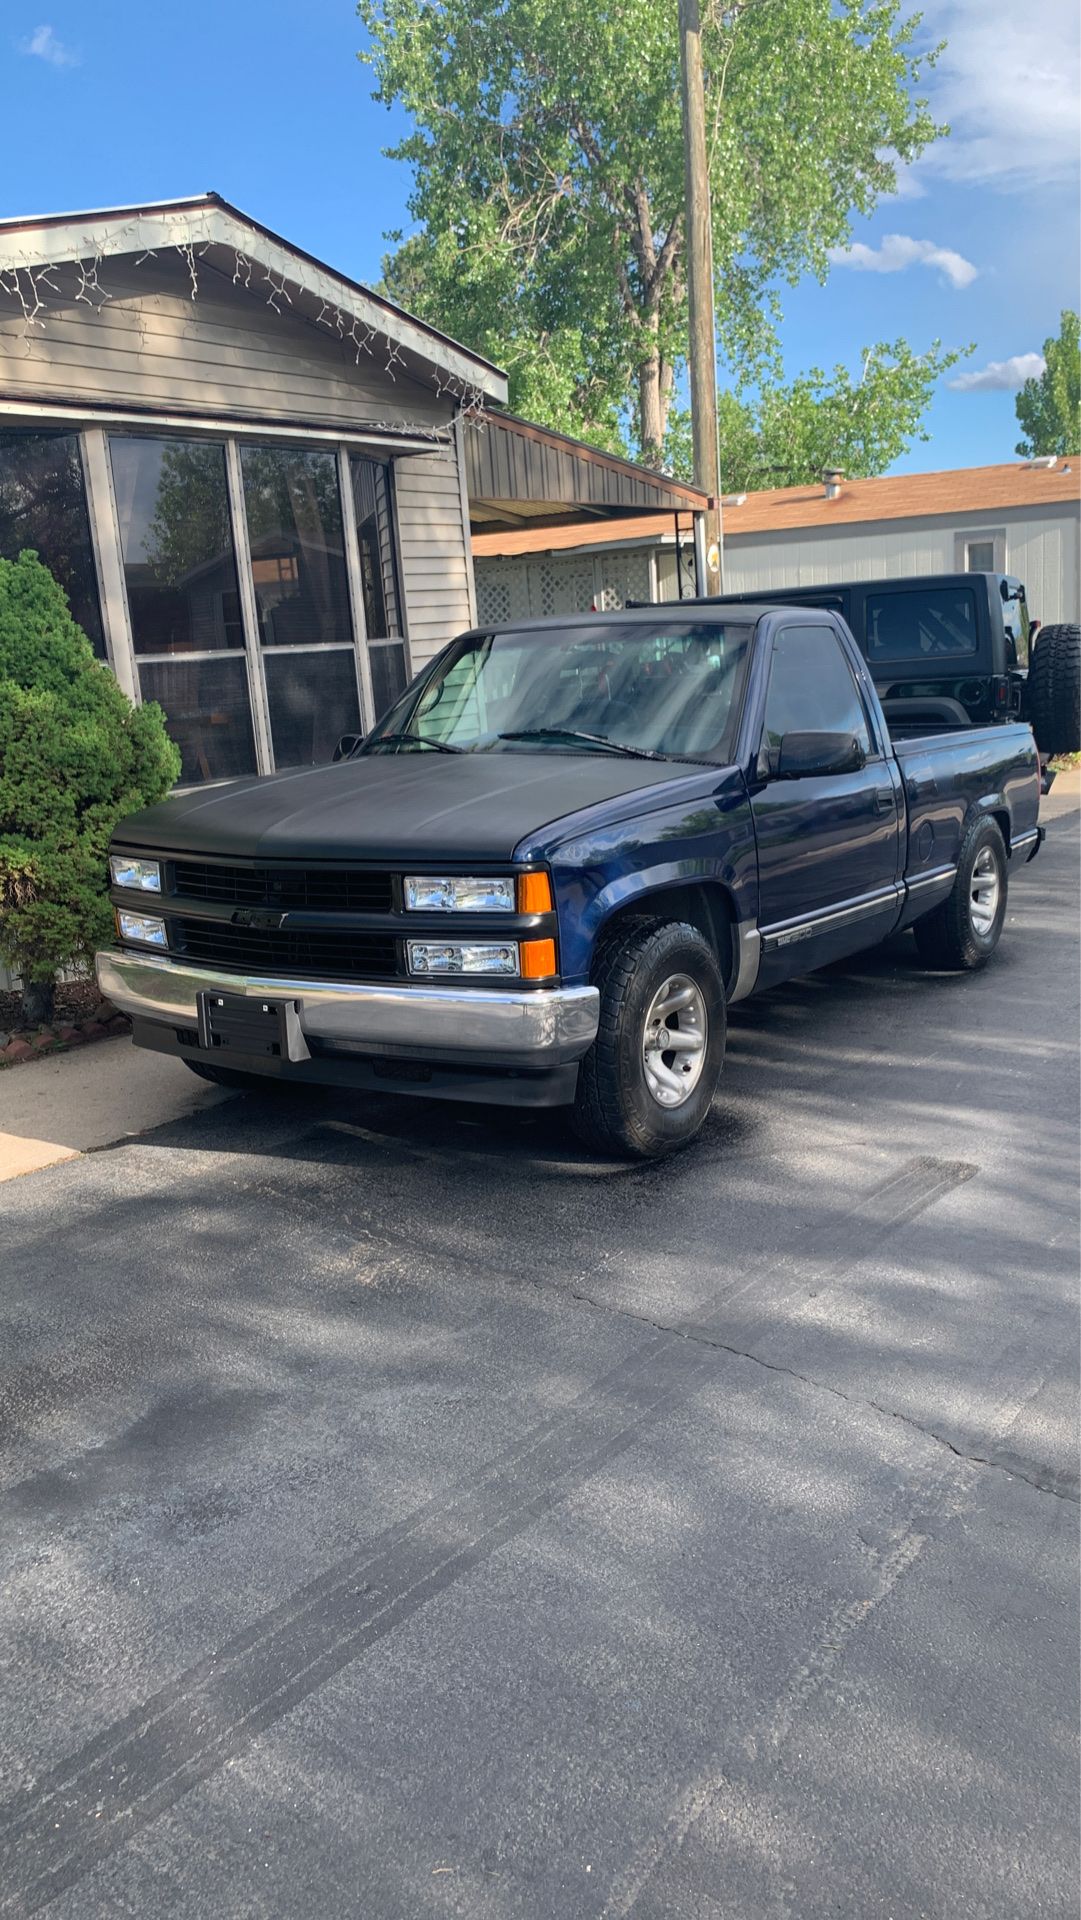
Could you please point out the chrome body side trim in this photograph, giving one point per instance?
(1019, 840)
(833, 919)
(549, 1027)
(935, 879)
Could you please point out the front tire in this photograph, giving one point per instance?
(648, 1081)
(962, 934)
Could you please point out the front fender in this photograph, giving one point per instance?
(709, 842)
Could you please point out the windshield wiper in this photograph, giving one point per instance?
(591, 739)
(414, 739)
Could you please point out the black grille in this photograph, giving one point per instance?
(348, 890)
(339, 953)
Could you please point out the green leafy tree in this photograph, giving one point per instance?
(75, 756)
(1049, 409)
(547, 157)
(786, 435)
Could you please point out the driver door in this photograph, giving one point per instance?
(829, 845)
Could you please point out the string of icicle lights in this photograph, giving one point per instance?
(38, 292)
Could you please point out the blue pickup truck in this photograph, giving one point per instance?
(562, 855)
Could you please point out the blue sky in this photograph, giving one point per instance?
(268, 104)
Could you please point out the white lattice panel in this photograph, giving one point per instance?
(560, 586)
(625, 576)
(502, 593)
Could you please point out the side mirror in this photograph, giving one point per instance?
(348, 744)
(801, 755)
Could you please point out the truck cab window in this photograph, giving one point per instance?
(812, 688)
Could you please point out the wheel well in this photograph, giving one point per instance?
(1002, 820)
(705, 904)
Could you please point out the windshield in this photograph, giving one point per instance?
(672, 688)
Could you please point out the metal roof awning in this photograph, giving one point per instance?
(522, 475)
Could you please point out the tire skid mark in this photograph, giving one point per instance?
(55, 1831)
(919, 1512)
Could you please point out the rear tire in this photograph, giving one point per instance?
(962, 934)
(1054, 690)
(636, 1097)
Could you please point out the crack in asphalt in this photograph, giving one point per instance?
(1045, 1480)
(95, 1800)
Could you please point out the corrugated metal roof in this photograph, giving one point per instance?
(513, 463)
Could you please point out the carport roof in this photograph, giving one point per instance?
(523, 475)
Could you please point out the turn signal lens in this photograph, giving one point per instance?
(538, 959)
(534, 893)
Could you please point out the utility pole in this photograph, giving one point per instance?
(702, 357)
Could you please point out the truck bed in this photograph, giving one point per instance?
(945, 774)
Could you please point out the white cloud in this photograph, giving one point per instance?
(898, 251)
(44, 45)
(1007, 87)
(1001, 376)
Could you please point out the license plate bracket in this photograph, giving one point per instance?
(257, 1028)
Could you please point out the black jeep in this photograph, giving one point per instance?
(950, 650)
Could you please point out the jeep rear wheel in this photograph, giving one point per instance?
(647, 1083)
(1054, 690)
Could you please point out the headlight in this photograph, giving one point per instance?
(142, 876)
(143, 927)
(434, 893)
(458, 956)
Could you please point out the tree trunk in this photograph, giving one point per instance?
(38, 997)
(654, 397)
(655, 380)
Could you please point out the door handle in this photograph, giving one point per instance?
(884, 800)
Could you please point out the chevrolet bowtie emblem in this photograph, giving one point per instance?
(250, 917)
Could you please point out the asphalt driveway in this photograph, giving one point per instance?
(404, 1515)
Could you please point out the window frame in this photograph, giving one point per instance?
(44, 428)
(875, 746)
(370, 643)
(875, 591)
(93, 438)
(978, 536)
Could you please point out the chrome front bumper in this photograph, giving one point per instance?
(549, 1027)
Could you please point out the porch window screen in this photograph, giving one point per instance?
(373, 503)
(43, 507)
(180, 570)
(294, 519)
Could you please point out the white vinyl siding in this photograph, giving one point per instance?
(432, 546)
(1041, 550)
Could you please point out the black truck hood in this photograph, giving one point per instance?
(394, 807)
